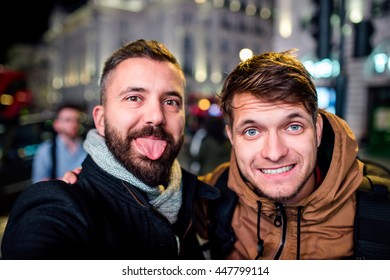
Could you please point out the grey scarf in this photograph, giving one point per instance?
(167, 200)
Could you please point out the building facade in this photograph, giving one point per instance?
(357, 60)
(205, 36)
(208, 35)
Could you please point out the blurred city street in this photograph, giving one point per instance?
(345, 45)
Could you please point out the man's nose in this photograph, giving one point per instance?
(274, 147)
(154, 114)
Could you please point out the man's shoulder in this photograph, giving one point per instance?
(45, 146)
(212, 177)
(375, 174)
(52, 193)
(372, 219)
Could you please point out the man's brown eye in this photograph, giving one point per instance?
(133, 98)
(172, 102)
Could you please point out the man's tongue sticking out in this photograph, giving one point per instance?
(151, 147)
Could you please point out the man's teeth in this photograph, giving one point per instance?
(278, 170)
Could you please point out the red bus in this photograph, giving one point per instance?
(14, 94)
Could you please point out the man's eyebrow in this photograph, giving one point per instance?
(175, 93)
(296, 115)
(290, 116)
(132, 89)
(244, 123)
(140, 89)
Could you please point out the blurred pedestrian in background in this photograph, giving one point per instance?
(213, 147)
(65, 151)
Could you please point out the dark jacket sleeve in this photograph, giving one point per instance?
(43, 222)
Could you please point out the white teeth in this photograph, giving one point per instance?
(278, 170)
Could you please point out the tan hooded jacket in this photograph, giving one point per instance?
(323, 227)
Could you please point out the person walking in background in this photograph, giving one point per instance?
(65, 151)
(132, 199)
(214, 147)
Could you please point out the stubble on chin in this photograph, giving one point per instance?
(268, 190)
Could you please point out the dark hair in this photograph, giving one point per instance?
(140, 48)
(68, 105)
(274, 77)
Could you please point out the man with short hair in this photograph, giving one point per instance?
(65, 151)
(132, 199)
(290, 186)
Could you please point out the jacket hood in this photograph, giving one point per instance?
(341, 170)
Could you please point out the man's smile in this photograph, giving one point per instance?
(274, 171)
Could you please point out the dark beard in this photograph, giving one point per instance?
(151, 172)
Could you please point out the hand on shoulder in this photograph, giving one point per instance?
(70, 177)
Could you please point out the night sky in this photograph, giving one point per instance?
(25, 21)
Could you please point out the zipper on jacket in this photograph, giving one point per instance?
(141, 200)
(280, 221)
(177, 239)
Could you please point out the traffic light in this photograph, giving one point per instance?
(321, 27)
(363, 33)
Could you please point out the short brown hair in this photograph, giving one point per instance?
(274, 77)
(141, 48)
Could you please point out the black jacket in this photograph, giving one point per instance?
(100, 217)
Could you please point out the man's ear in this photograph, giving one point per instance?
(229, 133)
(98, 117)
(319, 126)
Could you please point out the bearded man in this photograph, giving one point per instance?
(132, 199)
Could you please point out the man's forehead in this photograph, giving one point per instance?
(250, 106)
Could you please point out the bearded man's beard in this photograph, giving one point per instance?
(151, 172)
